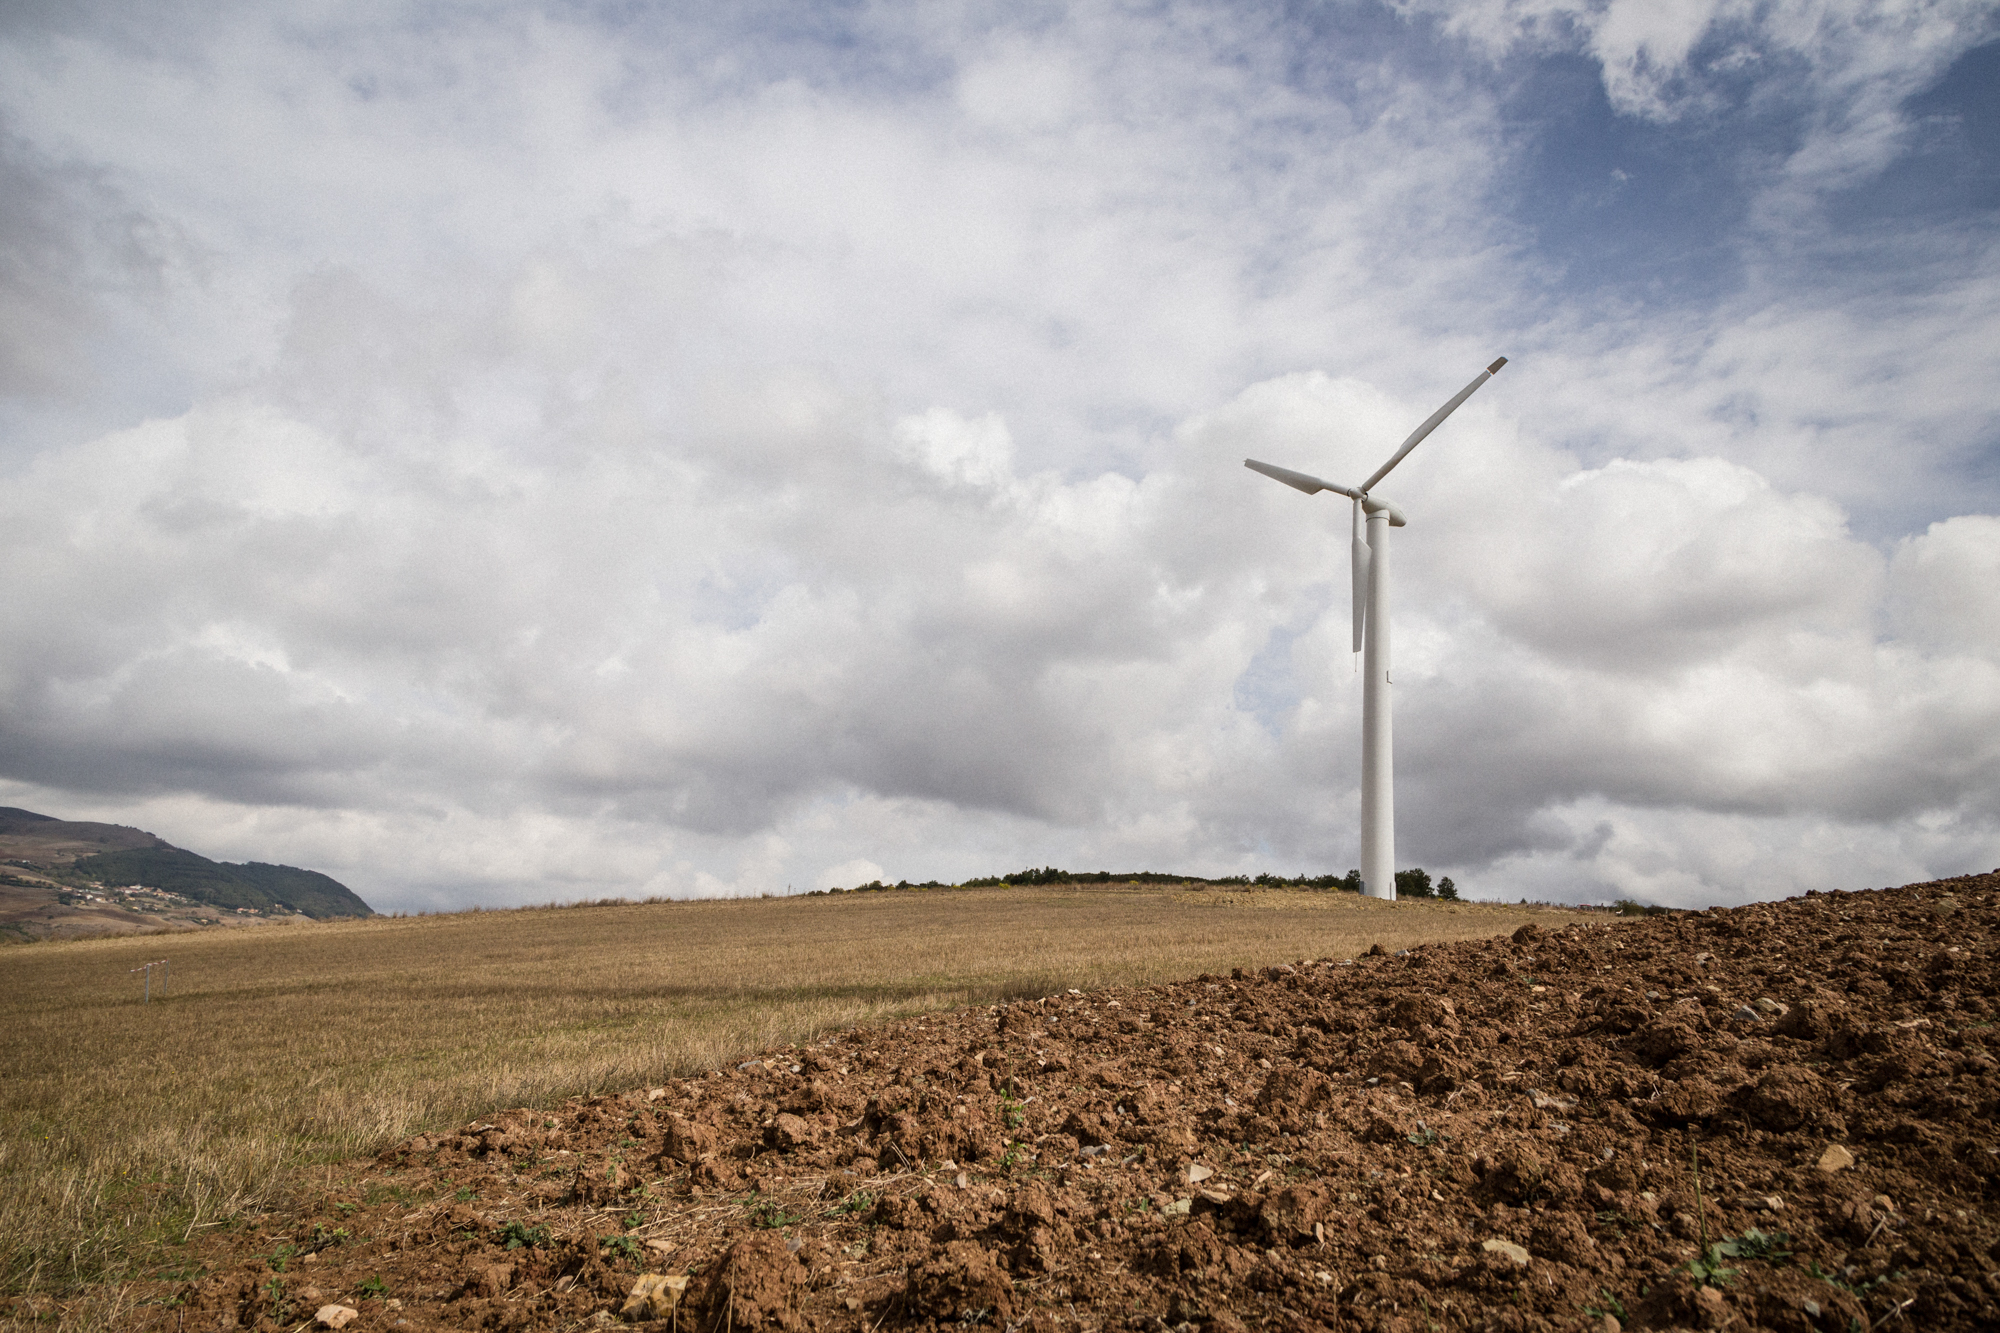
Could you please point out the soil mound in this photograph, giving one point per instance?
(1774, 1117)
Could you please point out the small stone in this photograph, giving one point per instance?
(336, 1316)
(1773, 1007)
(659, 1247)
(1744, 1013)
(1198, 1173)
(1772, 1203)
(1179, 1208)
(654, 1296)
(1607, 1324)
(1507, 1249)
(1835, 1158)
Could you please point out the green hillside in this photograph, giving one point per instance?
(253, 885)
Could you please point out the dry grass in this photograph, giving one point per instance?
(124, 1127)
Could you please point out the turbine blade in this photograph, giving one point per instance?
(1359, 556)
(1302, 481)
(1432, 423)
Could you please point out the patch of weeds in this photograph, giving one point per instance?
(1711, 1269)
(282, 1256)
(281, 1305)
(1612, 1306)
(633, 1219)
(1755, 1244)
(322, 1238)
(374, 1286)
(769, 1216)
(1854, 1289)
(1013, 1113)
(346, 1209)
(466, 1194)
(858, 1202)
(624, 1246)
(1424, 1137)
(518, 1235)
(385, 1193)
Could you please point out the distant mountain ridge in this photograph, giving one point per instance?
(117, 855)
(48, 828)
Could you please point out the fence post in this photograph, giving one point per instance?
(147, 968)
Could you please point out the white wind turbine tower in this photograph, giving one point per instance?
(1371, 637)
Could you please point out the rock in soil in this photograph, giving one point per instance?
(1373, 1143)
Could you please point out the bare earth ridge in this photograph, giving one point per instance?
(1504, 1134)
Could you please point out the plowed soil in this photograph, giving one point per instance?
(1535, 1132)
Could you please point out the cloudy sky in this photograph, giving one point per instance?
(503, 453)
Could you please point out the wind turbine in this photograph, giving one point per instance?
(1370, 557)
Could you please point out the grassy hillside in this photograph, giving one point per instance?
(255, 885)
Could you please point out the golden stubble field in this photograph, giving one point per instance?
(126, 1127)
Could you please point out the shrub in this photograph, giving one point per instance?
(1415, 883)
